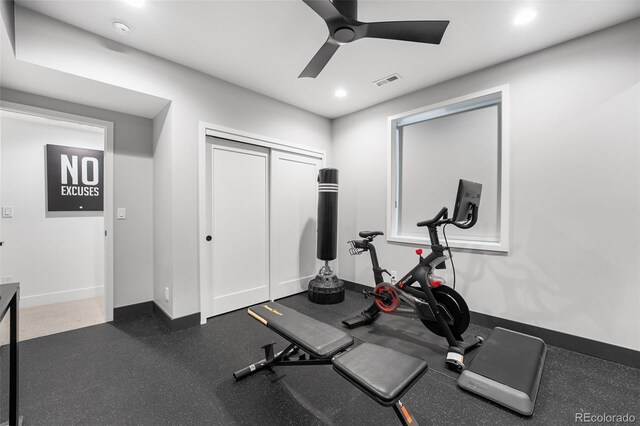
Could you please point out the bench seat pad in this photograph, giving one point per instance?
(382, 373)
(314, 337)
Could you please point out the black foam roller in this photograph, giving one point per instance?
(327, 214)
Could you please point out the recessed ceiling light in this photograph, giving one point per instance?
(121, 27)
(340, 93)
(135, 3)
(525, 16)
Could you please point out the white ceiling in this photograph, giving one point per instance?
(30, 78)
(264, 45)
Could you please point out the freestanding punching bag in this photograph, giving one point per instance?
(326, 288)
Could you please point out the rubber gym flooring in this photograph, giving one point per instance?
(135, 372)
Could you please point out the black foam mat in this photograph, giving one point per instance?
(136, 372)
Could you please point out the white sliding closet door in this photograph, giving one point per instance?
(239, 195)
(294, 192)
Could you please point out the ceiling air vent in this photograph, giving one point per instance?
(388, 79)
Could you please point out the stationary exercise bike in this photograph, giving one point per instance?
(440, 308)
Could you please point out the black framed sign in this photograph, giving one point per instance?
(74, 179)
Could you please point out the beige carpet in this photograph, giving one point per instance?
(55, 318)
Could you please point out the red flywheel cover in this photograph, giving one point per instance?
(391, 302)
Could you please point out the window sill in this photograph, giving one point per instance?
(491, 246)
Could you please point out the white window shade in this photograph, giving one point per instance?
(434, 155)
(431, 148)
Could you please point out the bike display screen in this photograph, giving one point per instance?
(468, 193)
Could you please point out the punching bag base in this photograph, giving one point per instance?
(326, 289)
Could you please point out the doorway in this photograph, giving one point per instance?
(258, 223)
(61, 258)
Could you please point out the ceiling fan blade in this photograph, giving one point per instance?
(320, 60)
(418, 31)
(347, 8)
(325, 9)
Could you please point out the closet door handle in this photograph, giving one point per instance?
(209, 238)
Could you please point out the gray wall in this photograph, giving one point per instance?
(575, 189)
(133, 189)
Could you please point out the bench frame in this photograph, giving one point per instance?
(283, 357)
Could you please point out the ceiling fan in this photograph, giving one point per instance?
(340, 17)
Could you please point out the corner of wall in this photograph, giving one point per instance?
(8, 18)
(162, 210)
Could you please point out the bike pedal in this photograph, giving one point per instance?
(368, 294)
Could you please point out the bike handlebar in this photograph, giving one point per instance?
(438, 219)
(429, 222)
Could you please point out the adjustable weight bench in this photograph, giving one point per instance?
(383, 374)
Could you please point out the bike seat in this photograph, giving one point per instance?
(367, 234)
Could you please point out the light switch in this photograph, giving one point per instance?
(7, 211)
(121, 214)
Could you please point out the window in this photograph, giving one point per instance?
(431, 149)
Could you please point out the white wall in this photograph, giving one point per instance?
(163, 212)
(56, 256)
(194, 97)
(574, 263)
(133, 189)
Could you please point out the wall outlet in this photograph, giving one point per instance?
(166, 294)
(7, 279)
(7, 211)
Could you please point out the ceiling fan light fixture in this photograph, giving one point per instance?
(344, 35)
(340, 93)
(524, 17)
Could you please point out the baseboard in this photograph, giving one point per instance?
(60, 296)
(583, 345)
(176, 324)
(173, 324)
(353, 286)
(129, 311)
